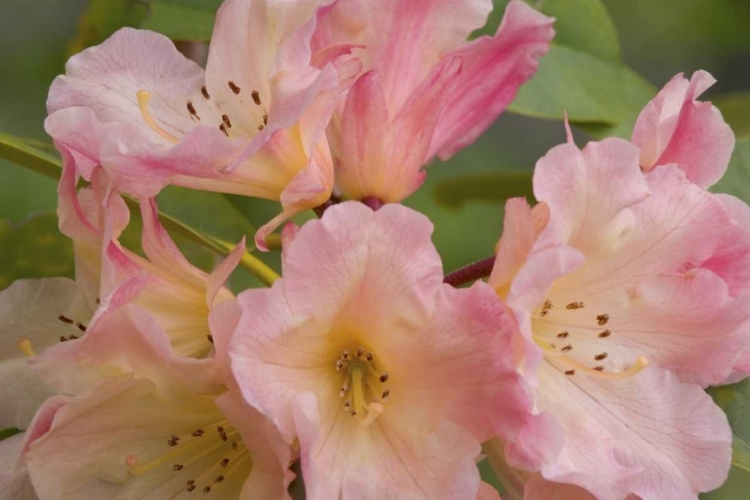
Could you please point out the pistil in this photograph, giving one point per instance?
(143, 98)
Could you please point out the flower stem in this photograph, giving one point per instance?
(470, 273)
(258, 268)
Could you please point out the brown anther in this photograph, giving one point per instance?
(604, 334)
(225, 119)
(72, 337)
(386, 393)
(65, 319)
(63, 338)
(261, 127)
(210, 338)
(563, 335)
(190, 487)
(601, 356)
(234, 445)
(265, 119)
(224, 462)
(205, 93)
(191, 110)
(345, 355)
(223, 436)
(207, 489)
(360, 352)
(233, 86)
(256, 97)
(575, 305)
(601, 319)
(81, 327)
(383, 378)
(599, 368)
(543, 313)
(567, 348)
(177, 467)
(172, 443)
(197, 433)
(569, 372)
(98, 300)
(223, 128)
(354, 413)
(369, 356)
(218, 479)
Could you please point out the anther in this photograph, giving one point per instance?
(604, 334)
(339, 365)
(369, 356)
(24, 345)
(177, 467)
(383, 378)
(567, 348)
(256, 97)
(197, 433)
(65, 319)
(210, 338)
(602, 319)
(191, 110)
(207, 489)
(345, 355)
(360, 352)
(225, 119)
(143, 97)
(205, 93)
(575, 305)
(386, 393)
(343, 390)
(223, 128)
(224, 462)
(218, 479)
(81, 327)
(569, 372)
(601, 356)
(234, 445)
(190, 485)
(563, 335)
(233, 86)
(265, 119)
(261, 127)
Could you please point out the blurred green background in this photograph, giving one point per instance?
(657, 38)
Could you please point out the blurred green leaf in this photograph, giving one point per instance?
(740, 453)
(34, 249)
(207, 214)
(30, 154)
(102, 18)
(590, 89)
(735, 401)
(736, 110)
(191, 20)
(487, 186)
(736, 180)
(9, 432)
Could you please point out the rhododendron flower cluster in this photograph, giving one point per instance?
(575, 362)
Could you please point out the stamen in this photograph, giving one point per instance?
(575, 305)
(225, 119)
(563, 335)
(191, 110)
(383, 378)
(223, 128)
(265, 119)
(602, 319)
(210, 338)
(256, 97)
(598, 371)
(604, 334)
(143, 98)
(601, 356)
(81, 327)
(374, 410)
(24, 345)
(65, 319)
(234, 87)
(204, 91)
(570, 372)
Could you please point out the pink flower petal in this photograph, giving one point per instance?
(676, 128)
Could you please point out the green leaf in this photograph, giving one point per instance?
(590, 89)
(207, 214)
(31, 154)
(9, 432)
(191, 20)
(736, 180)
(740, 453)
(104, 17)
(489, 187)
(34, 249)
(736, 110)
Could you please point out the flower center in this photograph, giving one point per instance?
(569, 348)
(206, 457)
(363, 387)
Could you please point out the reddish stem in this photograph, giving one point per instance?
(470, 273)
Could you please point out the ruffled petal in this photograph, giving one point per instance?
(676, 128)
(15, 483)
(655, 437)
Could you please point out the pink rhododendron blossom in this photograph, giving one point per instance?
(676, 128)
(427, 91)
(629, 298)
(252, 123)
(139, 422)
(388, 378)
(175, 292)
(15, 483)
